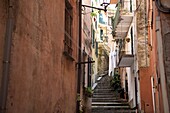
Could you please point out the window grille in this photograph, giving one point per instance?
(68, 29)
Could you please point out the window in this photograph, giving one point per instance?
(101, 19)
(101, 34)
(68, 29)
(93, 37)
(96, 52)
(95, 24)
(131, 6)
(109, 21)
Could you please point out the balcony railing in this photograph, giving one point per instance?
(122, 21)
(115, 20)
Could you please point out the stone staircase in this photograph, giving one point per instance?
(105, 100)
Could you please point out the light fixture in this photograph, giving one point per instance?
(105, 3)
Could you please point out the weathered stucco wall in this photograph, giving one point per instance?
(165, 21)
(145, 56)
(145, 87)
(42, 79)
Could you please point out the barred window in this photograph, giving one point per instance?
(68, 29)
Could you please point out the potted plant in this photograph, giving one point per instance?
(115, 82)
(94, 15)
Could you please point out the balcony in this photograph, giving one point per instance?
(125, 60)
(123, 26)
(121, 23)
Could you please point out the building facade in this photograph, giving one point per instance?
(38, 55)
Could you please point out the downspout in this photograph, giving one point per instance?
(6, 59)
(79, 59)
(146, 38)
(136, 95)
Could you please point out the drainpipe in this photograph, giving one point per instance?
(146, 38)
(6, 59)
(79, 58)
(136, 94)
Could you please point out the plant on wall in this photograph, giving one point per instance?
(88, 92)
(115, 82)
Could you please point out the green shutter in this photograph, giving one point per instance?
(93, 37)
(96, 52)
(101, 34)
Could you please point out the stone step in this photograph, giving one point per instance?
(103, 84)
(109, 104)
(111, 107)
(102, 87)
(113, 111)
(103, 90)
(103, 93)
(104, 96)
(106, 100)
(115, 99)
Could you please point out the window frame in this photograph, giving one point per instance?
(68, 30)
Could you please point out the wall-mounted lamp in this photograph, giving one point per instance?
(105, 3)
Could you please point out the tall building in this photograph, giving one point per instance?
(38, 54)
(86, 61)
(142, 57)
(159, 12)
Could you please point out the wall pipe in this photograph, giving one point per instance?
(6, 58)
(79, 58)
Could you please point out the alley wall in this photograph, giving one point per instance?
(3, 17)
(41, 78)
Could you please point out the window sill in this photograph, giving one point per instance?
(68, 56)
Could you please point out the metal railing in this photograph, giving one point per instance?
(115, 19)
